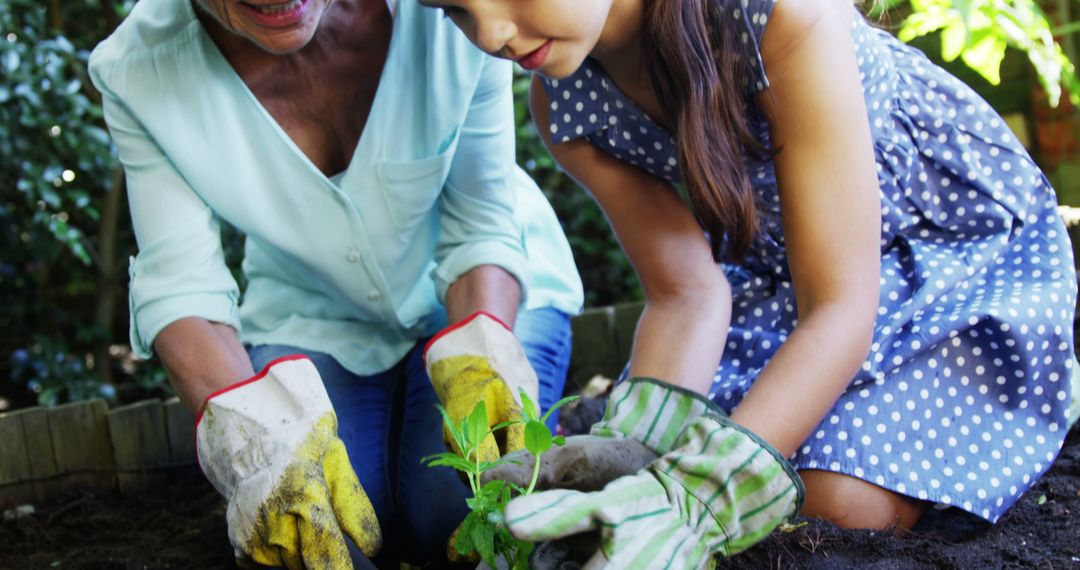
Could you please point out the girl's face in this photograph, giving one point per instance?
(551, 37)
(277, 26)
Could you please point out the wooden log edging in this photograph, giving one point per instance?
(602, 340)
(46, 453)
(85, 447)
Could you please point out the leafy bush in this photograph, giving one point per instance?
(57, 276)
(978, 32)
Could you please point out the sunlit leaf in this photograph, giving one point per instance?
(953, 41)
(985, 57)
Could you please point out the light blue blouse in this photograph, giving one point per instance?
(355, 269)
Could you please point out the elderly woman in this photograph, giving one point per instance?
(366, 151)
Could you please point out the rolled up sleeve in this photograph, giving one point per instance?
(180, 269)
(477, 225)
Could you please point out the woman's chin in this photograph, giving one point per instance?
(284, 43)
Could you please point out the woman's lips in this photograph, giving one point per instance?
(279, 14)
(536, 58)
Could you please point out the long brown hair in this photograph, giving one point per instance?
(700, 81)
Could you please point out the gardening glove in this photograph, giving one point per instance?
(480, 360)
(716, 488)
(621, 443)
(270, 446)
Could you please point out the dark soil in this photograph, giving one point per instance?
(1041, 531)
(182, 525)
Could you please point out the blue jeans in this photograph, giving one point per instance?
(388, 422)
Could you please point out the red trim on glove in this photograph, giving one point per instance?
(262, 374)
(460, 324)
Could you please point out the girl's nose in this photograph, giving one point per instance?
(493, 36)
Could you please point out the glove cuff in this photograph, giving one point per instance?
(262, 374)
(479, 319)
(651, 412)
(249, 427)
(751, 487)
(483, 335)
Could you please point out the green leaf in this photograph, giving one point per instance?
(985, 57)
(477, 424)
(558, 405)
(922, 23)
(537, 437)
(532, 411)
(491, 492)
(447, 459)
(481, 537)
(456, 431)
(11, 61)
(507, 423)
(463, 542)
(560, 440)
(521, 557)
(954, 39)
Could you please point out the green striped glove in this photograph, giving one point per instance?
(719, 489)
(622, 443)
(651, 412)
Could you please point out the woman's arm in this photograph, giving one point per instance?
(183, 298)
(681, 334)
(201, 357)
(480, 250)
(831, 211)
(487, 288)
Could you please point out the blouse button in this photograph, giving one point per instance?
(374, 295)
(353, 256)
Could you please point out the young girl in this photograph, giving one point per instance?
(893, 306)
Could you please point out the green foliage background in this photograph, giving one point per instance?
(65, 232)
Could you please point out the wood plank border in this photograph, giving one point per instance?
(84, 446)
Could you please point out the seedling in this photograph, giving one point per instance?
(484, 531)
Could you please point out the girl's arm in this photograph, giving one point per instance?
(683, 329)
(831, 209)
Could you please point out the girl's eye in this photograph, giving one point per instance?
(452, 11)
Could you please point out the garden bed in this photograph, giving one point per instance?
(181, 524)
(162, 513)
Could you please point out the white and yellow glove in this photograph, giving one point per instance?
(269, 444)
(480, 360)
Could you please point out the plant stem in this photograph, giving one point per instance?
(474, 474)
(535, 473)
(1070, 28)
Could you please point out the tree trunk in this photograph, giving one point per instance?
(56, 18)
(105, 310)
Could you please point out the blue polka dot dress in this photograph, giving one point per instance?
(963, 397)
